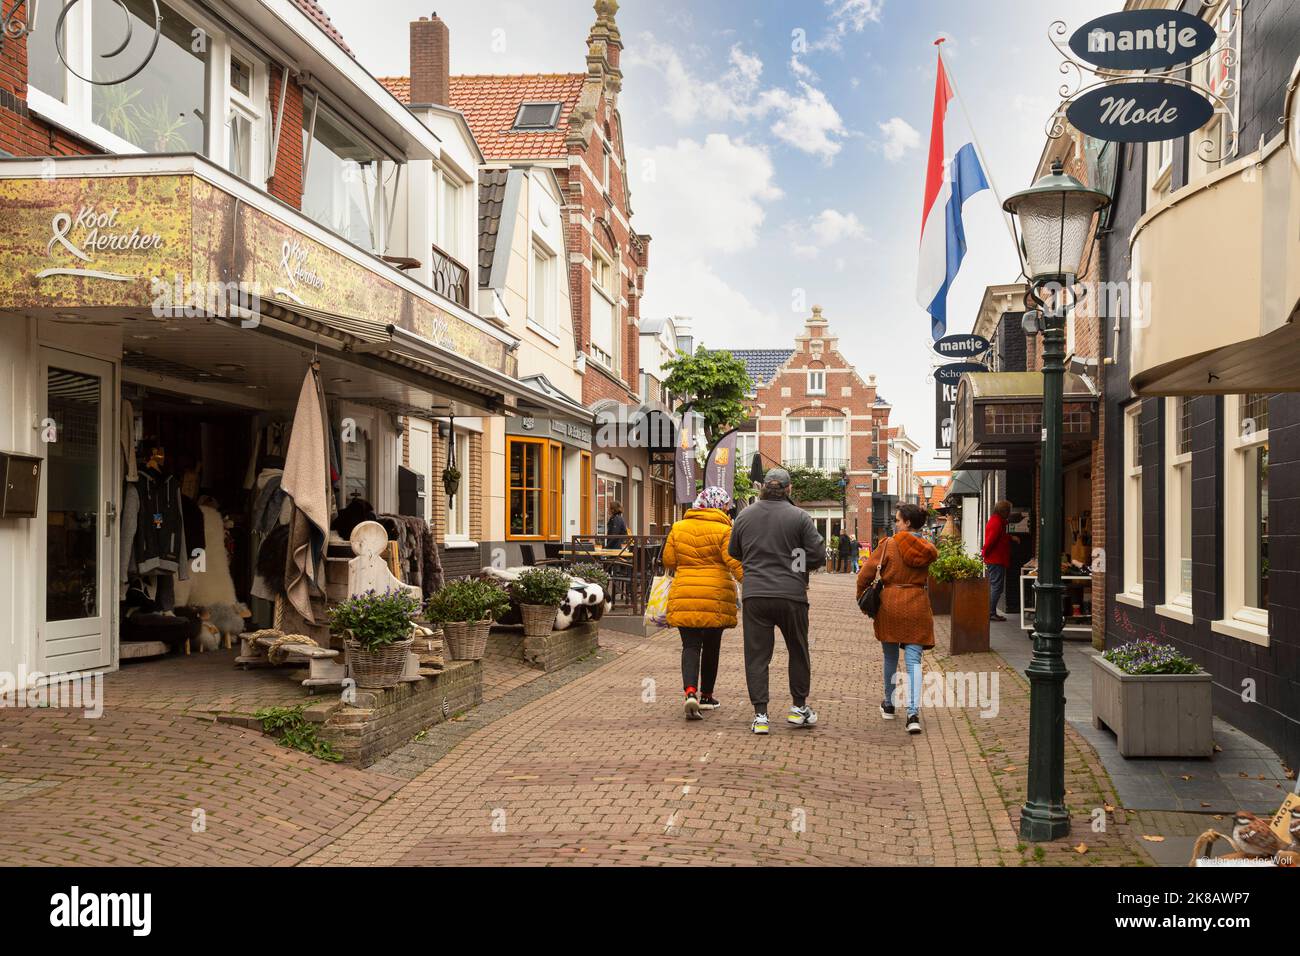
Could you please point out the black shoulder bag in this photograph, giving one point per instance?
(869, 603)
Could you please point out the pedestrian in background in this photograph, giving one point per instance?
(904, 619)
(845, 547)
(702, 598)
(777, 544)
(616, 527)
(997, 554)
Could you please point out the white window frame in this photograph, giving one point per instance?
(1132, 593)
(816, 381)
(746, 446)
(834, 436)
(458, 508)
(1178, 515)
(75, 113)
(610, 360)
(1239, 619)
(450, 214)
(1160, 171)
(544, 314)
(1220, 125)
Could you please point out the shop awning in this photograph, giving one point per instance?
(965, 484)
(999, 419)
(1232, 326)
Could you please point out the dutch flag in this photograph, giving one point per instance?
(950, 180)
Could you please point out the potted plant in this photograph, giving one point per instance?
(1155, 699)
(969, 609)
(539, 593)
(451, 480)
(940, 584)
(376, 632)
(466, 610)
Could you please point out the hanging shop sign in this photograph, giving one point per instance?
(951, 374)
(1143, 40)
(945, 411)
(962, 346)
(1140, 112)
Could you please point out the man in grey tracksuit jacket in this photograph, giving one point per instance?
(778, 545)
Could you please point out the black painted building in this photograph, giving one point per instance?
(1202, 454)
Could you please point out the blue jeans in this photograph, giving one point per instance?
(997, 584)
(912, 654)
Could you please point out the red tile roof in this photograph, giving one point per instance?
(322, 20)
(491, 102)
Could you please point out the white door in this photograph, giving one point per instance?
(422, 460)
(77, 513)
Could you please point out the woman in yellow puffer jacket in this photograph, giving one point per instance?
(702, 599)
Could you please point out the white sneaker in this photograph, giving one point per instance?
(760, 725)
(802, 716)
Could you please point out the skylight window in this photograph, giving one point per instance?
(537, 116)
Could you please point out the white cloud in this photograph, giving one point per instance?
(848, 16)
(724, 316)
(899, 137)
(704, 198)
(807, 120)
(831, 226)
(803, 118)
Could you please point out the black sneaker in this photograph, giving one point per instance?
(709, 702)
(913, 723)
(887, 710)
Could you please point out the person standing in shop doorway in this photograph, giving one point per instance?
(778, 545)
(702, 599)
(997, 554)
(845, 546)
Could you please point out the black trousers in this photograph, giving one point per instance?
(701, 648)
(762, 616)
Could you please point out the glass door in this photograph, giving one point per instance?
(78, 514)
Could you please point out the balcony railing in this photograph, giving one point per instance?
(827, 465)
(450, 278)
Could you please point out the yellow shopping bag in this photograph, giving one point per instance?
(656, 606)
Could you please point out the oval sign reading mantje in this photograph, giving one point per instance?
(949, 374)
(1140, 112)
(962, 346)
(1143, 40)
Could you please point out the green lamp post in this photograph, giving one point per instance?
(1056, 215)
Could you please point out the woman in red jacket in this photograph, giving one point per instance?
(997, 555)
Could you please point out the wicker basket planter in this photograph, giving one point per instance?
(539, 619)
(465, 641)
(378, 668)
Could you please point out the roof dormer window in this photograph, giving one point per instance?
(533, 117)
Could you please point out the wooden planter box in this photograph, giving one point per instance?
(970, 616)
(940, 596)
(1153, 715)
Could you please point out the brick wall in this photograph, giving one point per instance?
(287, 183)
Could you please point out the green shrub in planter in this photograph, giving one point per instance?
(541, 587)
(954, 564)
(1150, 657)
(375, 620)
(470, 599)
(590, 572)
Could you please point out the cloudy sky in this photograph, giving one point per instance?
(777, 150)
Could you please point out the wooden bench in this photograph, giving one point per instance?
(324, 667)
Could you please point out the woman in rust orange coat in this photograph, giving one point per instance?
(702, 600)
(904, 619)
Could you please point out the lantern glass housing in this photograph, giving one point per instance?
(1056, 216)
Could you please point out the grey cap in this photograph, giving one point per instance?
(777, 476)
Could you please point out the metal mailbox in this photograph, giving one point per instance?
(20, 485)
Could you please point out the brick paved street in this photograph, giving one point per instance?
(601, 768)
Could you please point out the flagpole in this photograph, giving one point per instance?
(975, 139)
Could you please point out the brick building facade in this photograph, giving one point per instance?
(811, 409)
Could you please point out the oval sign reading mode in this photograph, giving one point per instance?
(962, 346)
(1140, 112)
(1143, 40)
(950, 374)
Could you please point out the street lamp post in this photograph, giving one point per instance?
(1055, 216)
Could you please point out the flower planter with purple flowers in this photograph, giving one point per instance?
(1156, 701)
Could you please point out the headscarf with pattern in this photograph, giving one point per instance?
(713, 497)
